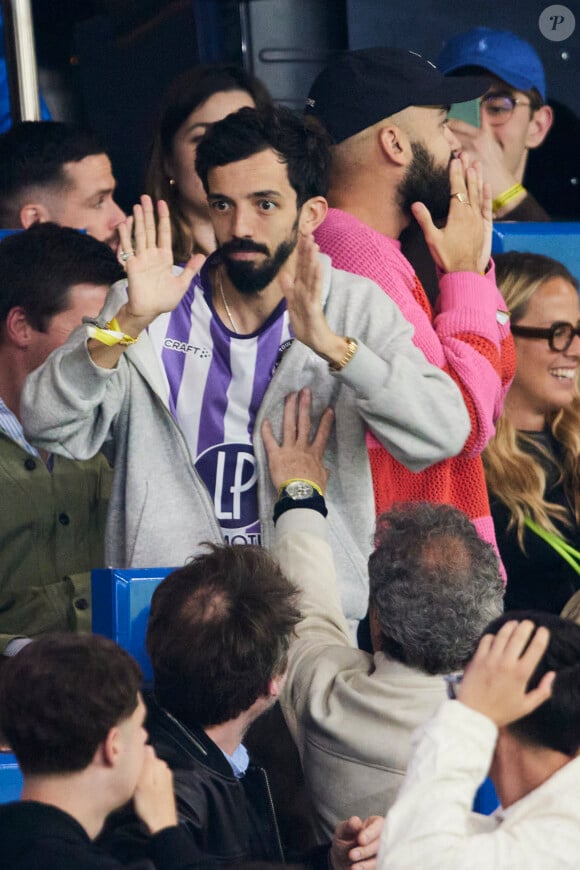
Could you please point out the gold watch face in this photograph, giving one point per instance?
(299, 489)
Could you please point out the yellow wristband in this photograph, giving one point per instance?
(111, 334)
(507, 196)
(283, 486)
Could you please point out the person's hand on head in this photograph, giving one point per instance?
(298, 456)
(495, 681)
(464, 243)
(355, 843)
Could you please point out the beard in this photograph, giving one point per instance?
(249, 278)
(427, 183)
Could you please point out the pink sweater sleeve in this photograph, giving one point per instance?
(467, 338)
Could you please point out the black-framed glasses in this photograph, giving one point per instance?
(500, 107)
(560, 335)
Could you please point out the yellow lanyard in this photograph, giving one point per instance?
(562, 547)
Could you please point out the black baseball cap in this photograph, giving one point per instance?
(359, 88)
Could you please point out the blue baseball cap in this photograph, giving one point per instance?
(500, 52)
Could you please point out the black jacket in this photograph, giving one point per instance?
(230, 820)
(37, 836)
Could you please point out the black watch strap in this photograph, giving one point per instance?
(316, 503)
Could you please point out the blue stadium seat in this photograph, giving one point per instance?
(558, 240)
(120, 607)
(10, 778)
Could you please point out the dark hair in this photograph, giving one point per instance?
(434, 585)
(38, 267)
(189, 91)
(33, 154)
(300, 142)
(194, 87)
(219, 631)
(555, 724)
(61, 695)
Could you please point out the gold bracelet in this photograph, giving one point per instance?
(348, 355)
(507, 196)
(111, 334)
(283, 486)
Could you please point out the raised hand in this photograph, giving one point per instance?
(464, 243)
(496, 679)
(303, 292)
(152, 287)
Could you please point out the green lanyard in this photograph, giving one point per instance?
(562, 547)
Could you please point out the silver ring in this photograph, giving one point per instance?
(460, 197)
(125, 255)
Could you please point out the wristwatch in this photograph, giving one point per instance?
(298, 490)
(299, 494)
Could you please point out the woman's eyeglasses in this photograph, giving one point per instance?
(500, 107)
(560, 335)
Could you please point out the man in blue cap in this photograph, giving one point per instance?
(514, 114)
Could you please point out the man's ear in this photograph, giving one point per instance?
(17, 329)
(540, 124)
(276, 685)
(33, 213)
(312, 214)
(395, 145)
(110, 748)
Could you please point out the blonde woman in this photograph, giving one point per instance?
(195, 100)
(533, 462)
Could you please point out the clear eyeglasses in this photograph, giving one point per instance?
(500, 107)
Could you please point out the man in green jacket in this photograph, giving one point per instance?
(52, 510)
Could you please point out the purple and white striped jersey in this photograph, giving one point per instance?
(216, 381)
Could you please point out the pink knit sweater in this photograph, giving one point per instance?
(464, 336)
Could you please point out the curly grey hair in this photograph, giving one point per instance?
(434, 586)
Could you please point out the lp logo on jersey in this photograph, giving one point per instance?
(229, 472)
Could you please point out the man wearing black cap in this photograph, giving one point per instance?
(393, 163)
(514, 116)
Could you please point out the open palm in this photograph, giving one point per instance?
(153, 288)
